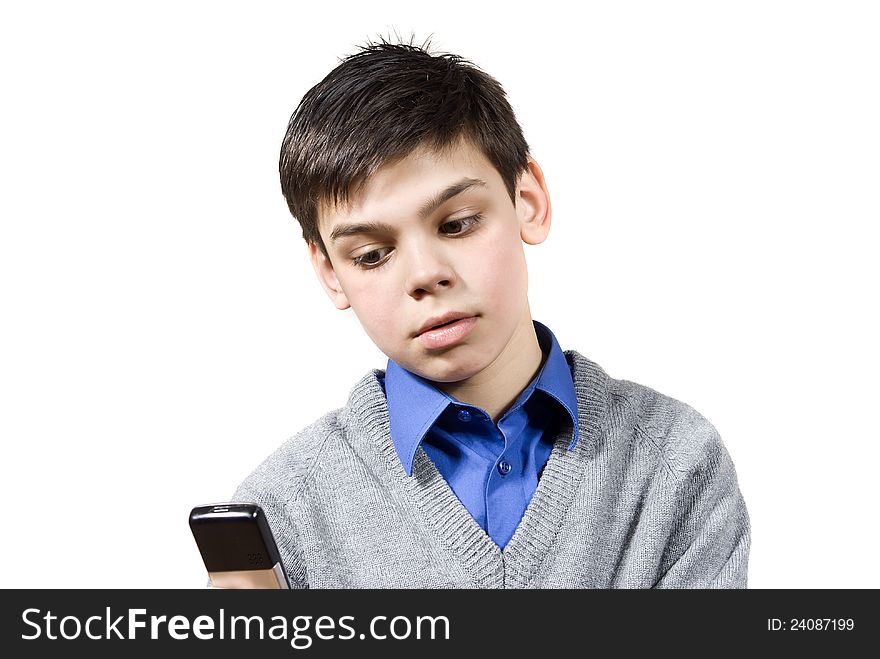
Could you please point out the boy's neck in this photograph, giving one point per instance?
(497, 386)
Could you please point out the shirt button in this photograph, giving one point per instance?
(504, 467)
(464, 415)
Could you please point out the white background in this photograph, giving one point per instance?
(713, 169)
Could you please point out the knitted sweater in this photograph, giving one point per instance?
(648, 497)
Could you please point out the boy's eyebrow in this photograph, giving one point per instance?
(426, 209)
(445, 195)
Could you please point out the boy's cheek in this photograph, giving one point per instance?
(378, 321)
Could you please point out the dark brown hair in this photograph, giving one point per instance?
(379, 105)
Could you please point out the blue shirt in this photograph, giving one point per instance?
(492, 468)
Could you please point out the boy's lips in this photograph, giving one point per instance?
(448, 317)
(447, 335)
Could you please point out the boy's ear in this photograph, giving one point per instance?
(327, 276)
(533, 204)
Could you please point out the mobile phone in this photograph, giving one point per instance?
(237, 546)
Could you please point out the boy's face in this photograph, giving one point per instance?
(420, 260)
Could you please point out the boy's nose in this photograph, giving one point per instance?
(428, 272)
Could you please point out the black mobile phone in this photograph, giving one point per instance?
(237, 546)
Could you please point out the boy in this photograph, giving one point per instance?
(483, 456)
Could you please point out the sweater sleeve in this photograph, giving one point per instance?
(711, 534)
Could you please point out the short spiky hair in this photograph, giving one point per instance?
(379, 105)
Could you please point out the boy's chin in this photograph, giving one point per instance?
(445, 369)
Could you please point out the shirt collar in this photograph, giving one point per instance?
(414, 403)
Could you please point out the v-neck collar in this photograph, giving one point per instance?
(454, 527)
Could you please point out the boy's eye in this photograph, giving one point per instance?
(462, 225)
(369, 259)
